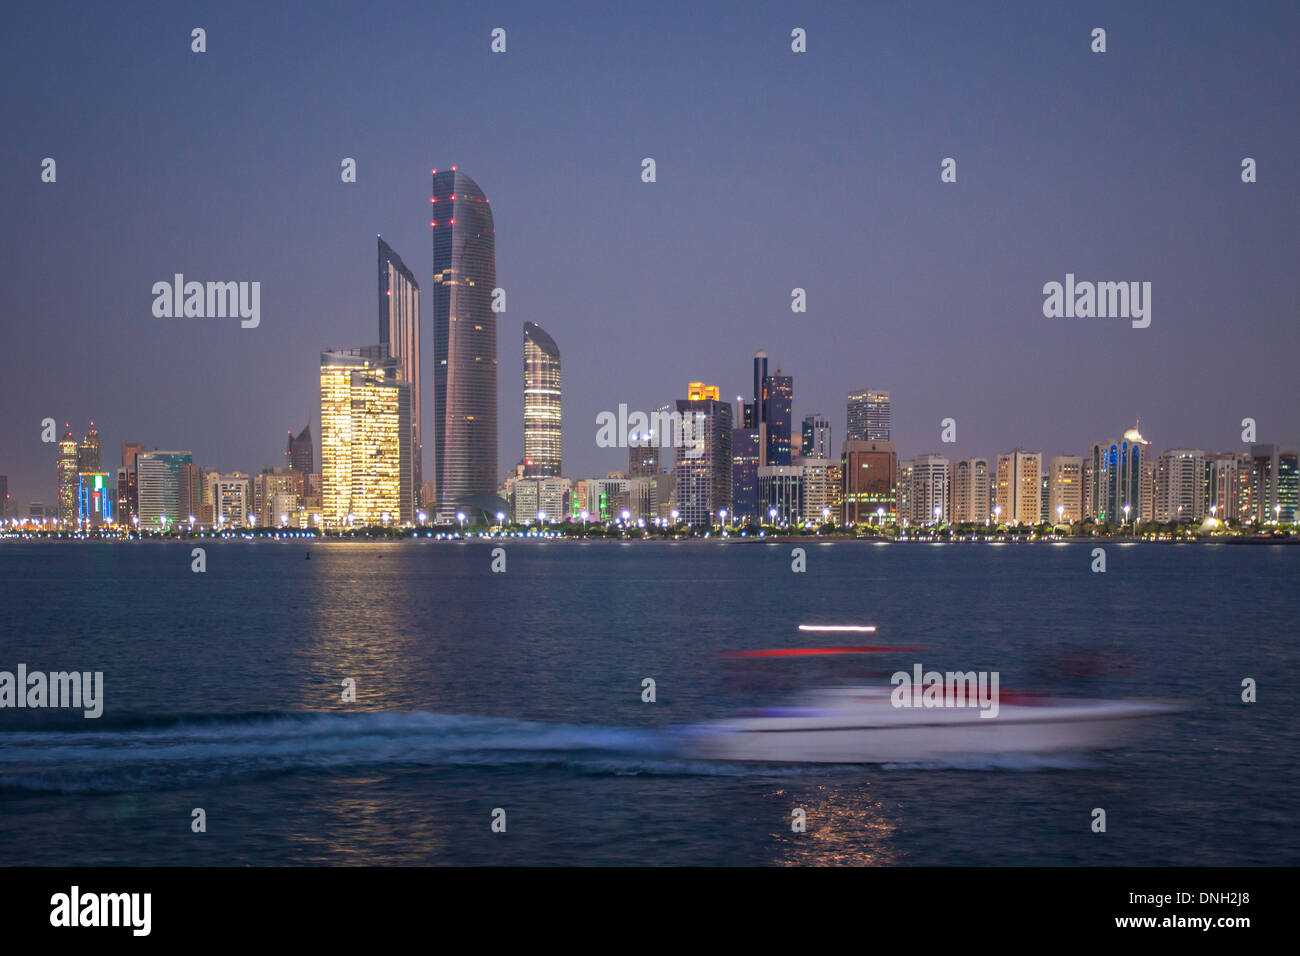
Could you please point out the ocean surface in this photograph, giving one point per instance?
(523, 691)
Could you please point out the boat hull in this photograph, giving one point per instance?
(873, 735)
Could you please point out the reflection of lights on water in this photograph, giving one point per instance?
(846, 826)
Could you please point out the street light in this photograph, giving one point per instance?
(541, 518)
(722, 516)
(460, 517)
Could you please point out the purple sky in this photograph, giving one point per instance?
(775, 170)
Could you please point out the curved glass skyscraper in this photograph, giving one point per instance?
(541, 403)
(464, 345)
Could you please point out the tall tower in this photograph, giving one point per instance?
(399, 329)
(88, 451)
(464, 344)
(541, 404)
(777, 418)
(67, 477)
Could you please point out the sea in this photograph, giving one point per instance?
(302, 702)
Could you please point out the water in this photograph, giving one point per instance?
(522, 691)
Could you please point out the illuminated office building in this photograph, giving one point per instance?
(365, 411)
(66, 471)
(542, 437)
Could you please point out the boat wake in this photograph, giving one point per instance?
(181, 752)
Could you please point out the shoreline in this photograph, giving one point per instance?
(811, 538)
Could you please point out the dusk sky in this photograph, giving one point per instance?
(775, 170)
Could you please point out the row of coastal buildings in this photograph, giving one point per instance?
(156, 489)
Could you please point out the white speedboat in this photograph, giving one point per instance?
(863, 725)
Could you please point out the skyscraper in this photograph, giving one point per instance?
(745, 458)
(464, 343)
(159, 475)
(88, 451)
(752, 416)
(778, 417)
(399, 329)
(703, 468)
(542, 433)
(301, 453)
(365, 413)
(67, 471)
(868, 415)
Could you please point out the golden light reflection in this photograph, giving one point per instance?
(845, 826)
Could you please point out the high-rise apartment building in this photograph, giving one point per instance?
(928, 491)
(1019, 491)
(969, 490)
(1065, 489)
(1180, 486)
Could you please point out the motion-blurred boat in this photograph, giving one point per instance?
(861, 725)
(865, 724)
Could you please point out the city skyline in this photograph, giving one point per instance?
(944, 288)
